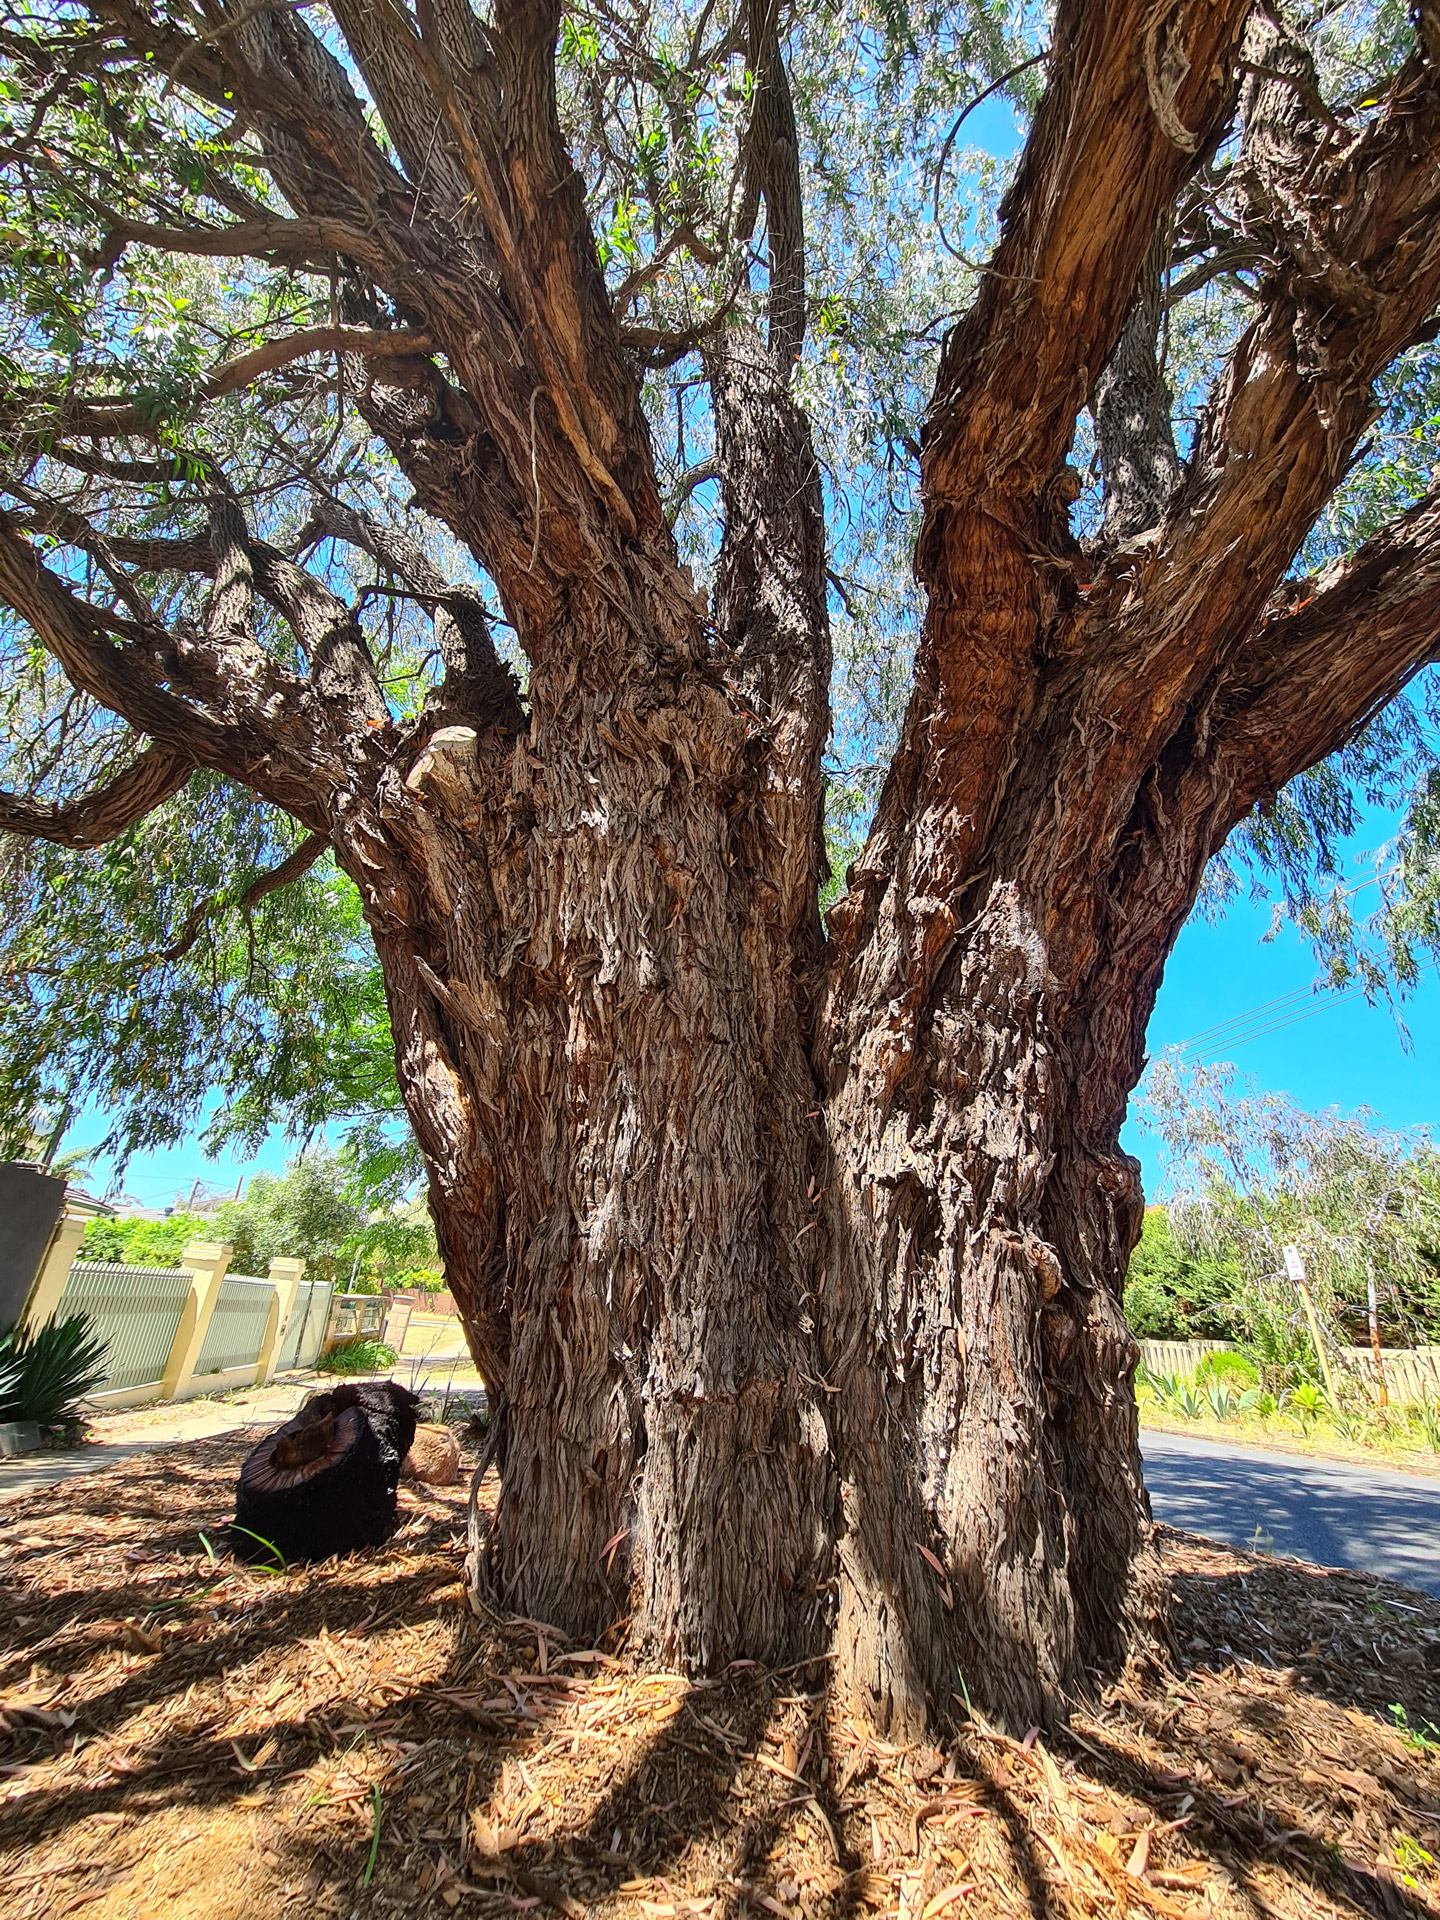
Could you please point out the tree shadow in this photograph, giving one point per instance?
(126, 1567)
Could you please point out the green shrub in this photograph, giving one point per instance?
(145, 1243)
(363, 1354)
(1233, 1368)
(43, 1374)
(1171, 1296)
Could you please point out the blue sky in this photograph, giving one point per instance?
(1323, 1049)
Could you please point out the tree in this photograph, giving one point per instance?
(794, 1256)
(305, 1213)
(1175, 1293)
(1249, 1174)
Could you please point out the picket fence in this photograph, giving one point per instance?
(1412, 1374)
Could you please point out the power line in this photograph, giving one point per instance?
(1272, 1016)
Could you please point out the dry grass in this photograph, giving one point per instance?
(198, 1740)
(1397, 1448)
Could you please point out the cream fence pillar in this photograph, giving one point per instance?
(287, 1275)
(207, 1262)
(55, 1269)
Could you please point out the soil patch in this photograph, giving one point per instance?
(184, 1736)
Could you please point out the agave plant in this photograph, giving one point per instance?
(45, 1372)
(1224, 1403)
(1308, 1401)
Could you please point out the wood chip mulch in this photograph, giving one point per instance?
(182, 1736)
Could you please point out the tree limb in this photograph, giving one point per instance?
(1098, 172)
(289, 869)
(401, 344)
(1311, 675)
(475, 675)
(1291, 406)
(299, 241)
(129, 680)
(220, 700)
(101, 816)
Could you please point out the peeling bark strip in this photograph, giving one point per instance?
(794, 1264)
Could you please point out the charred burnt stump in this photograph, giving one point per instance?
(324, 1483)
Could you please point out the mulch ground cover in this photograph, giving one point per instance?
(183, 1736)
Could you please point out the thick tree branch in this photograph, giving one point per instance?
(220, 699)
(1104, 160)
(301, 242)
(101, 816)
(475, 675)
(772, 169)
(1289, 410)
(1136, 95)
(1309, 677)
(128, 679)
(770, 606)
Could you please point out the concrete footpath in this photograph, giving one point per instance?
(121, 1436)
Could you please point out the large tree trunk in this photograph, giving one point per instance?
(982, 1214)
(598, 1042)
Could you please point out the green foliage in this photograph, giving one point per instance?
(1248, 1174)
(44, 1373)
(278, 1009)
(144, 1243)
(1174, 1294)
(363, 1354)
(423, 1280)
(1228, 1369)
(1306, 1400)
(303, 1213)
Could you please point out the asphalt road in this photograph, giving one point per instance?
(1325, 1511)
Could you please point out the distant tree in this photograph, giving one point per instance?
(1175, 1294)
(1249, 1174)
(145, 1243)
(304, 1213)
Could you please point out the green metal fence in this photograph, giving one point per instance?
(305, 1329)
(135, 1310)
(237, 1326)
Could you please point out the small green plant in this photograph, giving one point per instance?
(375, 1802)
(1426, 1415)
(1307, 1402)
(1228, 1369)
(363, 1354)
(45, 1373)
(1223, 1403)
(1409, 1854)
(1181, 1395)
(282, 1565)
(1422, 1739)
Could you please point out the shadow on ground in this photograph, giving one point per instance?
(186, 1737)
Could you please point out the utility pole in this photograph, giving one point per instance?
(1295, 1267)
(1374, 1306)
